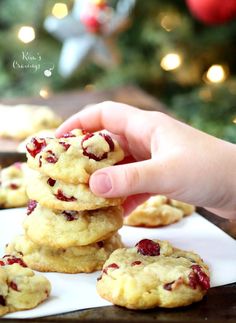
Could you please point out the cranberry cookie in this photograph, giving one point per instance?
(74, 157)
(55, 194)
(13, 186)
(153, 274)
(21, 121)
(20, 288)
(64, 229)
(158, 211)
(71, 260)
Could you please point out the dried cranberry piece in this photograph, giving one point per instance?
(136, 262)
(40, 161)
(198, 277)
(100, 244)
(2, 301)
(108, 140)
(148, 247)
(10, 260)
(113, 266)
(14, 186)
(13, 286)
(51, 181)
(2, 263)
(60, 196)
(168, 286)
(65, 145)
(31, 206)
(35, 146)
(51, 157)
(90, 155)
(70, 215)
(68, 135)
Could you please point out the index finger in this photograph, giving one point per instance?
(106, 115)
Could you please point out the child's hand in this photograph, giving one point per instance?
(171, 158)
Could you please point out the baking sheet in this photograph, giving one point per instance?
(78, 291)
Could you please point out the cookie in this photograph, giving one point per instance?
(71, 260)
(20, 287)
(40, 134)
(185, 207)
(13, 186)
(75, 157)
(158, 211)
(153, 274)
(64, 229)
(21, 121)
(55, 194)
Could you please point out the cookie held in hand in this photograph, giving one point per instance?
(73, 158)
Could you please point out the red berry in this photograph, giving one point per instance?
(65, 145)
(60, 196)
(113, 266)
(198, 277)
(168, 286)
(100, 244)
(84, 132)
(68, 135)
(2, 301)
(2, 263)
(40, 161)
(91, 155)
(108, 140)
(51, 181)
(51, 157)
(35, 146)
(70, 215)
(148, 247)
(31, 206)
(135, 263)
(13, 286)
(10, 260)
(14, 186)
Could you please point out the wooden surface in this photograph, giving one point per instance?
(218, 306)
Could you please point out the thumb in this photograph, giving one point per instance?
(124, 180)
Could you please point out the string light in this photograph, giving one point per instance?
(170, 61)
(60, 10)
(234, 120)
(216, 74)
(44, 93)
(26, 34)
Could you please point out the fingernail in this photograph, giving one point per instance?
(100, 183)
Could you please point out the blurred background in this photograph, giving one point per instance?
(181, 53)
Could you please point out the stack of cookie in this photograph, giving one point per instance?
(68, 228)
